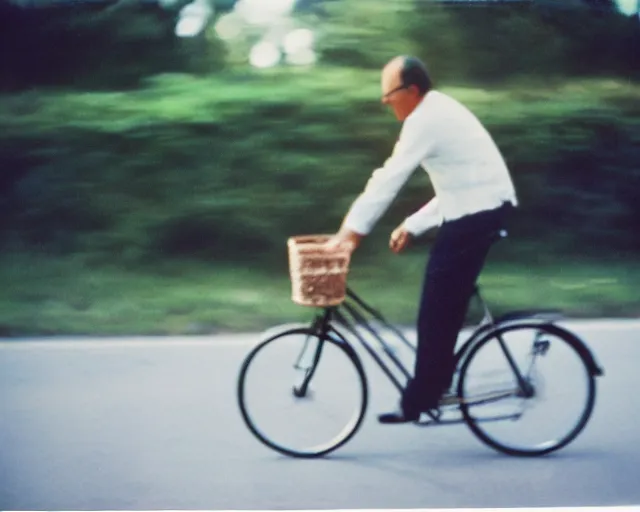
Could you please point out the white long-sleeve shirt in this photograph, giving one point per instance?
(466, 169)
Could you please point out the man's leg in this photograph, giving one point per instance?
(448, 285)
(456, 260)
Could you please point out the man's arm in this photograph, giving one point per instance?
(384, 184)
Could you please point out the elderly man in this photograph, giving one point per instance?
(473, 193)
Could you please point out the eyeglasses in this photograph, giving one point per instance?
(399, 88)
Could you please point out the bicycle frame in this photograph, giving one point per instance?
(361, 319)
(356, 308)
(351, 314)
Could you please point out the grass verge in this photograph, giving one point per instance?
(45, 296)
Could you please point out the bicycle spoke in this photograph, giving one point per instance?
(303, 351)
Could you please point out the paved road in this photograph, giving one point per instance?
(153, 424)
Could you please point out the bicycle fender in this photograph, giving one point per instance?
(282, 328)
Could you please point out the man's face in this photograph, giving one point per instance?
(402, 100)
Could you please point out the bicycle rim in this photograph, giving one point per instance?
(329, 413)
(496, 407)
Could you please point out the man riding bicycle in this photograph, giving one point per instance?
(473, 193)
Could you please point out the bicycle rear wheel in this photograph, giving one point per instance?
(302, 394)
(527, 389)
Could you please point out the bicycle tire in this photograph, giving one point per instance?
(346, 435)
(579, 351)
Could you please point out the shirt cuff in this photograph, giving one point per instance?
(424, 219)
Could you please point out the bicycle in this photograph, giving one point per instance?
(534, 331)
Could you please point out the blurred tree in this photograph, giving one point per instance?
(364, 34)
(93, 45)
(99, 170)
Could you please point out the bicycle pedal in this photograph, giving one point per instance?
(427, 419)
(434, 416)
(441, 419)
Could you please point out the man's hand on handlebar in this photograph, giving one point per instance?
(344, 238)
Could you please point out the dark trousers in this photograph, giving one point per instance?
(457, 257)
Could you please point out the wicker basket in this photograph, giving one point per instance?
(318, 276)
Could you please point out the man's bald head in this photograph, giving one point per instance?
(405, 81)
(412, 71)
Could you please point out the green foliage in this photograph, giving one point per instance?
(364, 34)
(44, 295)
(93, 46)
(226, 169)
(487, 44)
(186, 158)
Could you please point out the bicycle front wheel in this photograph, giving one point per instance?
(302, 394)
(527, 389)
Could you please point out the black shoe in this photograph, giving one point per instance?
(404, 416)
(398, 417)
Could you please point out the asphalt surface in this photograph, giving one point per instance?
(153, 423)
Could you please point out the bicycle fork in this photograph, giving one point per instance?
(320, 331)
